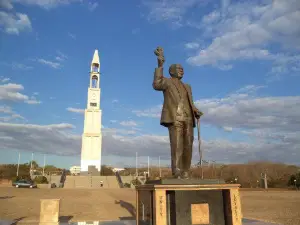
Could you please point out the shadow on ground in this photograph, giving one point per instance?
(65, 219)
(129, 207)
(16, 221)
(256, 222)
(6, 197)
(121, 222)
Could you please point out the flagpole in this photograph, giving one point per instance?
(148, 167)
(159, 166)
(31, 165)
(31, 161)
(18, 164)
(44, 165)
(136, 164)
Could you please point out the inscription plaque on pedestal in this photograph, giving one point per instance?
(200, 213)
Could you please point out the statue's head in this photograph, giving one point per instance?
(176, 71)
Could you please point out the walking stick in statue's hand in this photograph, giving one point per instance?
(199, 146)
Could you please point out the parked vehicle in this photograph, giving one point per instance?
(24, 183)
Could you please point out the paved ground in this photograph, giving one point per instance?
(122, 222)
(100, 205)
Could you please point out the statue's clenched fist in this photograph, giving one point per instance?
(159, 52)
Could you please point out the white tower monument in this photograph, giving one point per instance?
(92, 136)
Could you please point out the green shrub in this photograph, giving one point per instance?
(127, 185)
(14, 179)
(136, 182)
(41, 180)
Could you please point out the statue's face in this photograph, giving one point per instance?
(179, 71)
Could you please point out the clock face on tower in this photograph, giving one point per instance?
(93, 96)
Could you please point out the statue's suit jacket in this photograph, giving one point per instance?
(171, 97)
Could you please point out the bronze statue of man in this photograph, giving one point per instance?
(178, 114)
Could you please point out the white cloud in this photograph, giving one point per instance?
(33, 100)
(56, 63)
(192, 45)
(4, 79)
(71, 35)
(228, 129)
(243, 111)
(58, 58)
(12, 92)
(52, 64)
(21, 66)
(6, 4)
(211, 17)
(247, 30)
(129, 123)
(18, 66)
(61, 56)
(152, 112)
(5, 109)
(169, 10)
(75, 110)
(14, 23)
(51, 139)
(252, 112)
(59, 139)
(115, 101)
(92, 5)
(9, 114)
(46, 4)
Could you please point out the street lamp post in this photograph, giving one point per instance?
(136, 164)
(159, 166)
(44, 165)
(295, 181)
(18, 164)
(148, 166)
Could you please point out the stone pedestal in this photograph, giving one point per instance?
(188, 202)
(49, 214)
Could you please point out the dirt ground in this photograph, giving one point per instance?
(92, 204)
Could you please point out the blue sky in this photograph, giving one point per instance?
(241, 58)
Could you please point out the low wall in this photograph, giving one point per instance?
(5, 182)
(95, 181)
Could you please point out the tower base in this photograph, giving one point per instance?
(92, 171)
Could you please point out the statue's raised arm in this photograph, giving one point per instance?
(160, 83)
(159, 52)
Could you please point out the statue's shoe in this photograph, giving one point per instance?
(177, 174)
(185, 175)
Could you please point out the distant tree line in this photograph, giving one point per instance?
(249, 175)
(9, 171)
(107, 171)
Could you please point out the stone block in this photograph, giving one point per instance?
(49, 214)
